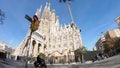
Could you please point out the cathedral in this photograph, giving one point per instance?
(51, 38)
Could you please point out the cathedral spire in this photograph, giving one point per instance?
(40, 8)
(38, 12)
(47, 5)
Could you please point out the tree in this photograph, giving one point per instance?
(80, 52)
(107, 48)
(42, 55)
(2, 16)
(117, 45)
(111, 45)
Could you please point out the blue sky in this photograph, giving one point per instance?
(91, 16)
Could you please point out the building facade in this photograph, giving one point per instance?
(114, 33)
(51, 38)
(5, 51)
(99, 44)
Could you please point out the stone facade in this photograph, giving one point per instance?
(51, 37)
(5, 51)
(99, 44)
(114, 33)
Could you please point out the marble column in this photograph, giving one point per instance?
(36, 49)
(31, 48)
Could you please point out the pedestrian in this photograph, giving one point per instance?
(40, 62)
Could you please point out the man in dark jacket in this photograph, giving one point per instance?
(40, 62)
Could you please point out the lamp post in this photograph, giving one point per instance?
(33, 27)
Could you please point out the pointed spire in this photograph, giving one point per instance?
(40, 8)
(38, 12)
(47, 6)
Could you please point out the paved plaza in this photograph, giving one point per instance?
(112, 62)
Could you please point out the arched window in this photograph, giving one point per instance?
(39, 45)
(33, 43)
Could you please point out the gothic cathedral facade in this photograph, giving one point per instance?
(51, 38)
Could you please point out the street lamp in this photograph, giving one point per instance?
(33, 27)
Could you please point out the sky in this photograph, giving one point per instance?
(93, 17)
